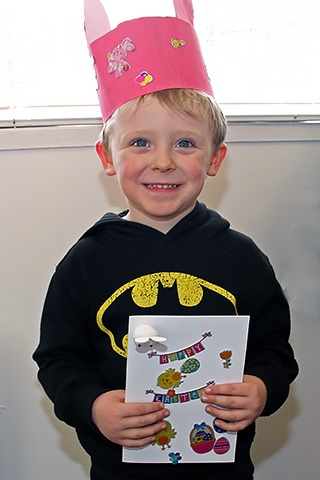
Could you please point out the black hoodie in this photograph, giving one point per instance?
(120, 268)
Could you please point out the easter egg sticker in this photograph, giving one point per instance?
(221, 446)
(190, 366)
(216, 428)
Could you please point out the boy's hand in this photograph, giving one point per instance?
(236, 405)
(128, 424)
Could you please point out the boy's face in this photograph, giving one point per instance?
(161, 159)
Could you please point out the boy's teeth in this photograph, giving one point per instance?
(156, 185)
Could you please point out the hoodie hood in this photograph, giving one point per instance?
(201, 220)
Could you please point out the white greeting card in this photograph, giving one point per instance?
(171, 359)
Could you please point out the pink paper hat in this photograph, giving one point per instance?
(144, 55)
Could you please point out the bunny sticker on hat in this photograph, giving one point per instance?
(116, 59)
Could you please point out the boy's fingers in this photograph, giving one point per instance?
(239, 389)
(138, 437)
(145, 420)
(225, 415)
(141, 409)
(146, 433)
(226, 402)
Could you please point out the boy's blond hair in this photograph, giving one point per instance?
(190, 102)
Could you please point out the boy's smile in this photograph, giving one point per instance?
(161, 158)
(162, 186)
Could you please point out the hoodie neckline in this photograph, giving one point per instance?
(129, 232)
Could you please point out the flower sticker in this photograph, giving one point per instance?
(177, 43)
(175, 457)
(144, 78)
(226, 356)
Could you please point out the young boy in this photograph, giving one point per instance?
(161, 145)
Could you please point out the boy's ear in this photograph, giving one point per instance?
(217, 160)
(105, 159)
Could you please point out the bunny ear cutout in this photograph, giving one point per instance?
(96, 22)
(141, 340)
(184, 10)
(158, 339)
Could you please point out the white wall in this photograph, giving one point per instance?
(48, 196)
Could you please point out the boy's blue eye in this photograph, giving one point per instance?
(140, 142)
(184, 144)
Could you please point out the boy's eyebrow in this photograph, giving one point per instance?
(133, 134)
(146, 132)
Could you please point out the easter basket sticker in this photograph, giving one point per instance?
(179, 357)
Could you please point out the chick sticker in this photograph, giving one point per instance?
(172, 378)
(163, 438)
(169, 379)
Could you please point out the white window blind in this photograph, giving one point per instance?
(258, 53)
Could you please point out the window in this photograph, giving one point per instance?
(259, 54)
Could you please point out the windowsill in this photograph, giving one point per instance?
(75, 115)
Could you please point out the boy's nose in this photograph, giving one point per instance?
(163, 161)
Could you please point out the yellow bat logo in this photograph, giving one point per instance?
(145, 294)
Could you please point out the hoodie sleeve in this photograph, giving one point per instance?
(64, 354)
(269, 353)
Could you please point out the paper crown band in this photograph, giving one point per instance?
(144, 55)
